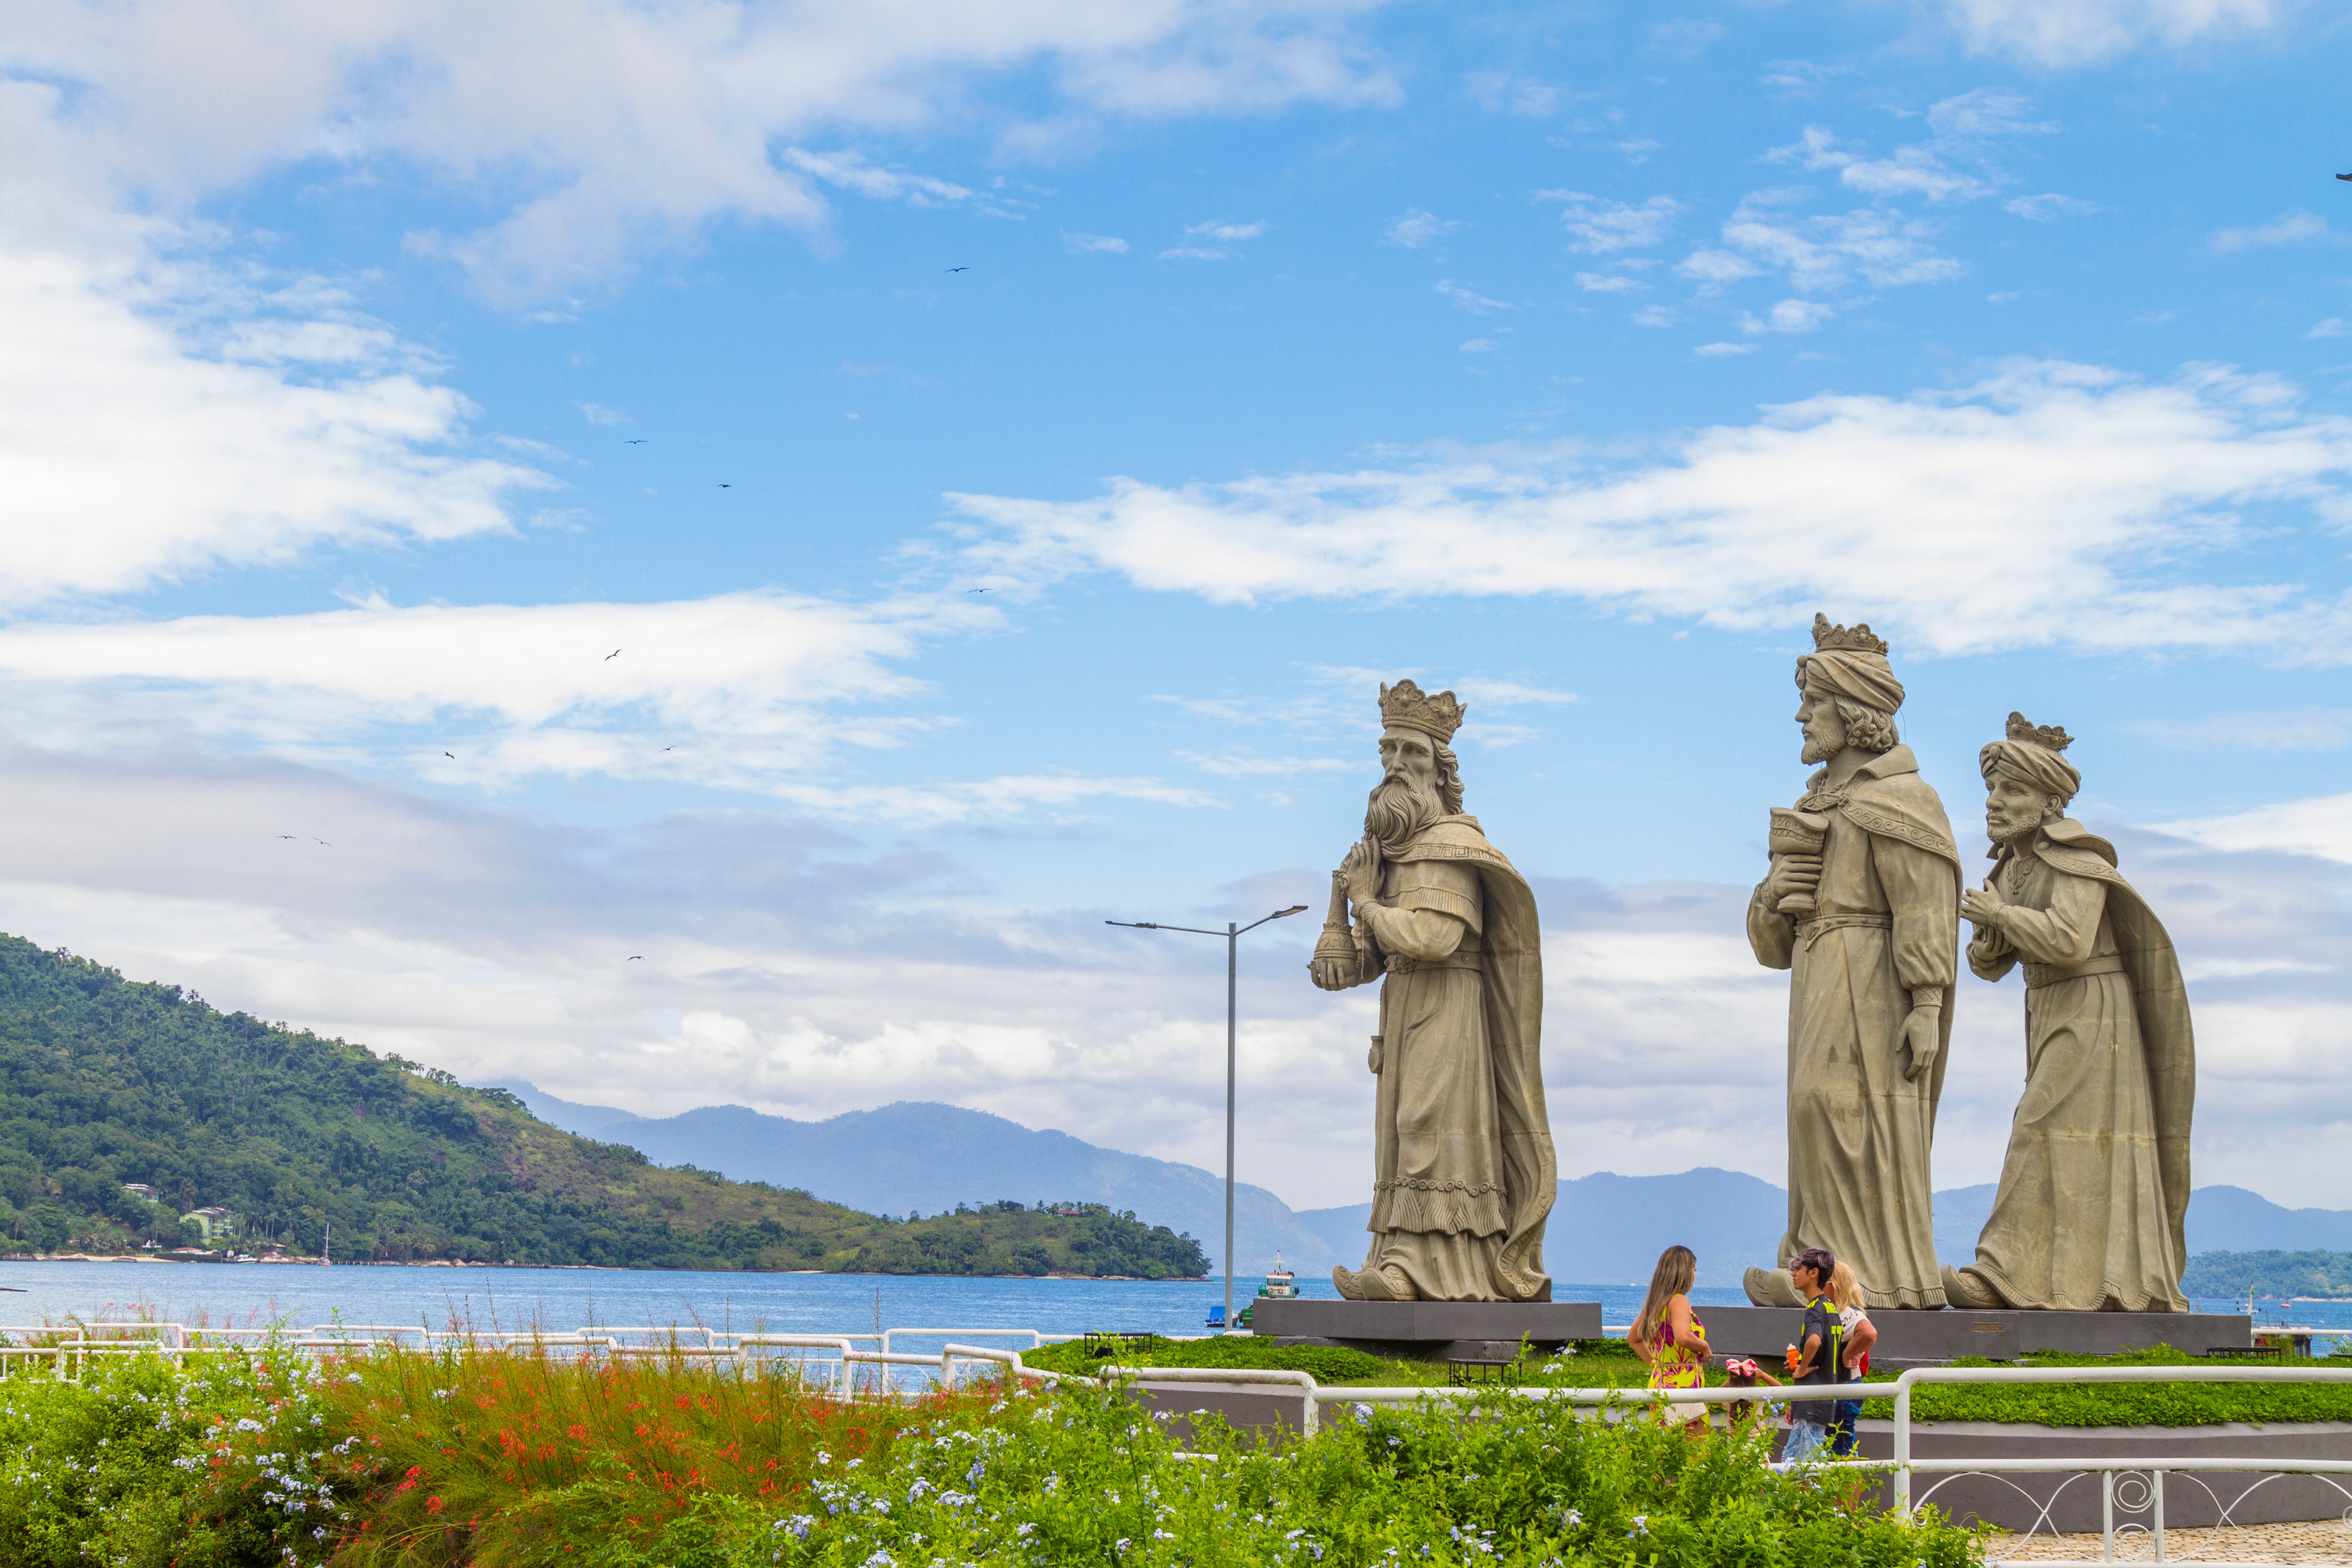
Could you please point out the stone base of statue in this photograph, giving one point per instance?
(1915, 1339)
(1426, 1330)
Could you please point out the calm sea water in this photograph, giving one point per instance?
(562, 1299)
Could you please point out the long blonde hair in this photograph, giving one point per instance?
(1845, 1289)
(1677, 1267)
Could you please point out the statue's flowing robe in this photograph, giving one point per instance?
(2094, 1190)
(1860, 1129)
(1464, 1170)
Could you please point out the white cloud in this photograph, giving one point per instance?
(1602, 226)
(1656, 316)
(2051, 205)
(1716, 351)
(1789, 316)
(2273, 729)
(2321, 827)
(1416, 229)
(1094, 245)
(1243, 764)
(1192, 253)
(1469, 299)
(726, 692)
(850, 170)
(1479, 346)
(1828, 251)
(2334, 326)
(1684, 38)
(596, 135)
(132, 456)
(1711, 270)
(1911, 511)
(1231, 234)
(1609, 283)
(1505, 93)
(2079, 32)
(2287, 228)
(597, 413)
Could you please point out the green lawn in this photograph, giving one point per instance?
(1611, 1363)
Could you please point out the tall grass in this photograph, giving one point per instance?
(496, 1457)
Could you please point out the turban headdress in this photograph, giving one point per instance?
(2030, 754)
(1850, 665)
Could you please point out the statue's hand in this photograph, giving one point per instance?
(1360, 873)
(1332, 974)
(1791, 874)
(1922, 1038)
(1983, 905)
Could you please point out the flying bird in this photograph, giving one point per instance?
(959, 269)
(727, 487)
(289, 835)
(975, 590)
(450, 755)
(613, 656)
(321, 842)
(634, 958)
(2344, 177)
(634, 440)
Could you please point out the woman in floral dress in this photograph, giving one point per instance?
(1674, 1343)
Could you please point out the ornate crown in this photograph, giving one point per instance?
(2043, 735)
(1407, 705)
(1829, 639)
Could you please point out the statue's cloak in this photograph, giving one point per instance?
(2162, 997)
(1887, 798)
(1513, 977)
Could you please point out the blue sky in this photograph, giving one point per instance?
(373, 374)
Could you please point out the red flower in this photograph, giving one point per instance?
(433, 1505)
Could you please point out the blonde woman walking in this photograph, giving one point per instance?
(1671, 1340)
(1858, 1335)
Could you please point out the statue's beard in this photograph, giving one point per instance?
(1818, 751)
(1397, 813)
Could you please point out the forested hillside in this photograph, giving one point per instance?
(105, 1082)
(2273, 1274)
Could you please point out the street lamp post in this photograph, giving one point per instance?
(1233, 934)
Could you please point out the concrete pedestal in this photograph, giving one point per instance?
(1426, 1330)
(1921, 1339)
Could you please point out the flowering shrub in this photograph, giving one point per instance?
(1084, 1476)
(222, 1458)
(487, 1459)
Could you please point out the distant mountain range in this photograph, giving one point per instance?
(1606, 1229)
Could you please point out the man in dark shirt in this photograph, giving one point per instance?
(1821, 1351)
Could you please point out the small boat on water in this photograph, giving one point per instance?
(1279, 1282)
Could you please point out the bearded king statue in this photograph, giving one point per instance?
(1464, 1168)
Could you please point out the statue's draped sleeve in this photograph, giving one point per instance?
(1770, 932)
(2064, 935)
(1432, 906)
(1921, 898)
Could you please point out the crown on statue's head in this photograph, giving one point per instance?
(1829, 639)
(2048, 735)
(1409, 705)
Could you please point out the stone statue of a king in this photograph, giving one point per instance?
(1464, 1162)
(1864, 913)
(2095, 1186)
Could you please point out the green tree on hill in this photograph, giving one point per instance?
(105, 1082)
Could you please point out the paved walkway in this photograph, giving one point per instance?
(2323, 1540)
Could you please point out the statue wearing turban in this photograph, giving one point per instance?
(2095, 1188)
(1871, 961)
